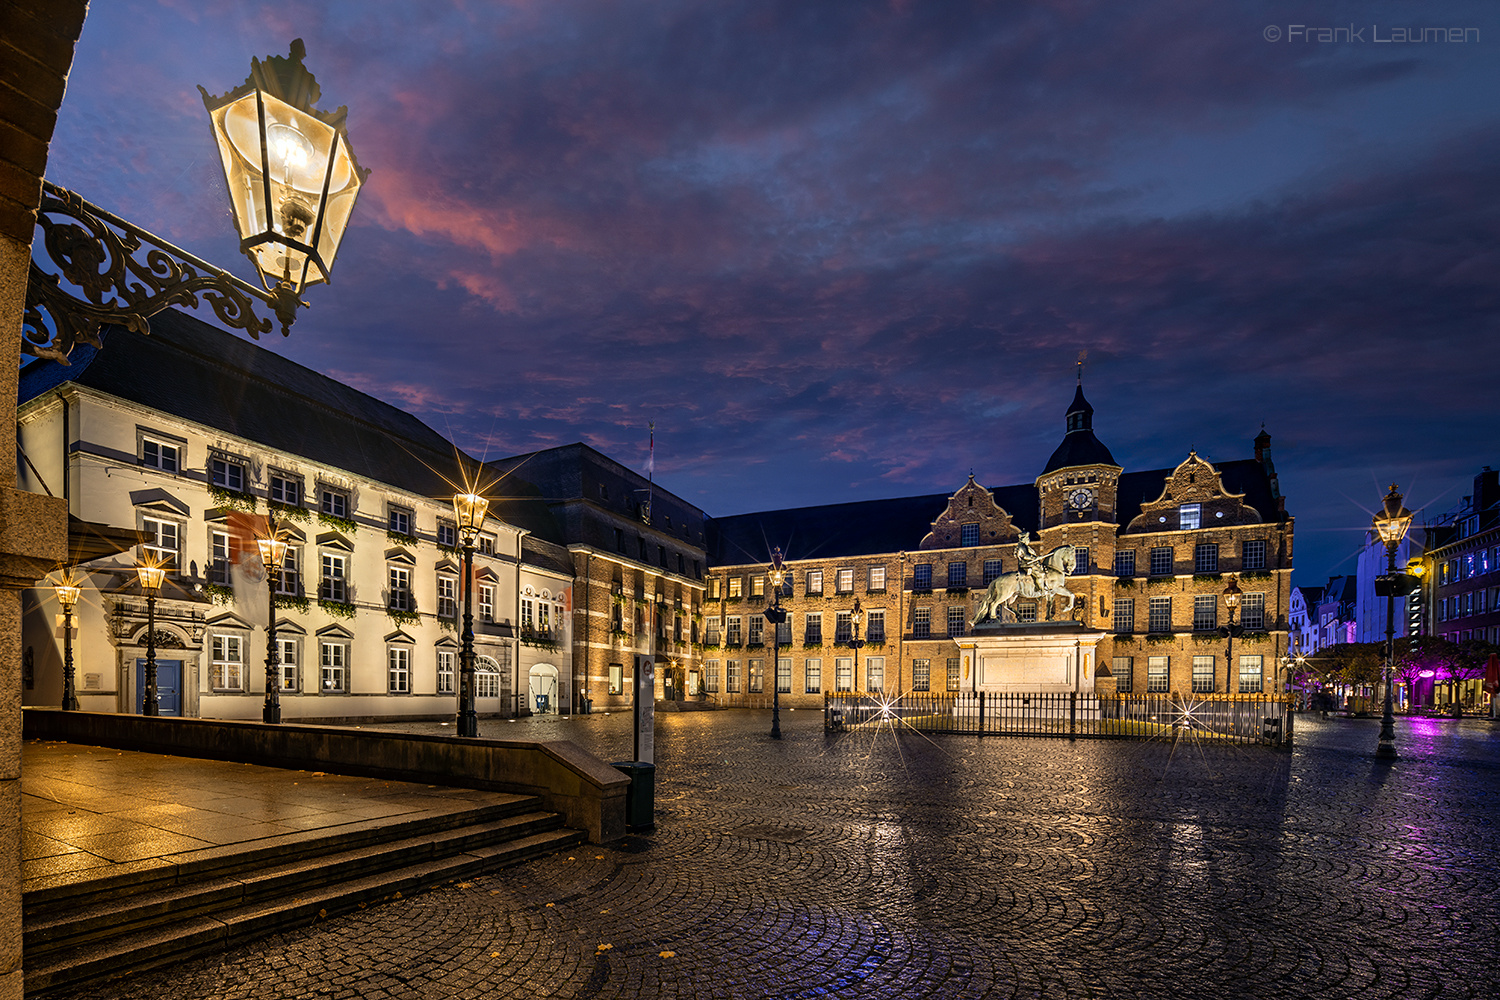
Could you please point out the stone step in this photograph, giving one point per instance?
(146, 929)
(67, 892)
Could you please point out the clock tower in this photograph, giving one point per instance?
(1080, 480)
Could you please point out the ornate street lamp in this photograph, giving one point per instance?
(151, 577)
(273, 555)
(292, 181)
(469, 509)
(1232, 595)
(776, 616)
(1391, 523)
(291, 175)
(67, 596)
(856, 620)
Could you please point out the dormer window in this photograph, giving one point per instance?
(1189, 516)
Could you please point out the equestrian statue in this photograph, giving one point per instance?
(1037, 577)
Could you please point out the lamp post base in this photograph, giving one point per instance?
(468, 724)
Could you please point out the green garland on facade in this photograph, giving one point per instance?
(286, 602)
(343, 524)
(290, 512)
(404, 617)
(219, 594)
(338, 609)
(233, 499)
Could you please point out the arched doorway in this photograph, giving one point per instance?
(542, 698)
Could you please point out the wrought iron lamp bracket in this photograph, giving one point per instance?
(95, 251)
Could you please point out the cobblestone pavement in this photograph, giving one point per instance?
(872, 865)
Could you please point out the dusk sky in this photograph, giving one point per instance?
(843, 251)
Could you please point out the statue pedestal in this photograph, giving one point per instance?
(1029, 656)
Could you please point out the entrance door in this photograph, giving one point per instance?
(168, 686)
(543, 690)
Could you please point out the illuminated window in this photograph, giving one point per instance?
(953, 678)
(814, 582)
(1123, 667)
(876, 580)
(843, 673)
(617, 677)
(161, 541)
(921, 675)
(844, 581)
(1203, 674)
(1189, 516)
(1157, 673)
(875, 674)
(784, 675)
(287, 653)
(1250, 674)
(812, 675)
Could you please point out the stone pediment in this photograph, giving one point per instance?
(1194, 481)
(972, 504)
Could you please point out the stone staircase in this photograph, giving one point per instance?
(88, 930)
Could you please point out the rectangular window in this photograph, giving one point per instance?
(447, 597)
(1125, 562)
(285, 490)
(1081, 563)
(161, 541)
(1161, 614)
(993, 568)
(757, 586)
(715, 588)
(218, 565)
(875, 579)
(732, 633)
(968, 534)
(160, 455)
(1253, 555)
(1253, 612)
(1123, 667)
(843, 673)
(1161, 561)
(286, 653)
(288, 580)
(400, 589)
(957, 620)
(1124, 614)
(620, 542)
(731, 676)
(875, 626)
(757, 676)
(1026, 611)
(661, 556)
(844, 581)
(875, 674)
(1189, 516)
(447, 534)
(814, 582)
(228, 670)
(1206, 558)
(398, 669)
(1203, 674)
(334, 660)
(843, 626)
(958, 574)
(812, 676)
(1250, 674)
(486, 682)
(921, 623)
(757, 630)
(713, 677)
(784, 675)
(921, 577)
(710, 631)
(486, 602)
(1157, 673)
(1205, 612)
(399, 522)
(735, 587)
(445, 671)
(334, 503)
(617, 677)
(953, 679)
(226, 475)
(921, 675)
(640, 545)
(784, 632)
(813, 636)
(788, 588)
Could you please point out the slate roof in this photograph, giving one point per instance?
(871, 527)
(200, 373)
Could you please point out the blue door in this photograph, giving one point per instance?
(168, 686)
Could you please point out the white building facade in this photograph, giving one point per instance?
(192, 438)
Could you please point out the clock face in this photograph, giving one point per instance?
(1080, 499)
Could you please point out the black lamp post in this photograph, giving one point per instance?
(1232, 595)
(273, 555)
(151, 577)
(469, 509)
(776, 616)
(856, 619)
(1390, 524)
(67, 596)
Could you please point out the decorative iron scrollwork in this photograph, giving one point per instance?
(95, 252)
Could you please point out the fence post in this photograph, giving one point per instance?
(981, 713)
(1072, 713)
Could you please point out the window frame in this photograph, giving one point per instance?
(220, 467)
(398, 668)
(223, 668)
(327, 667)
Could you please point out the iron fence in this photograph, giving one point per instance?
(1254, 719)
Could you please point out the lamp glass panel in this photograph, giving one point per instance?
(299, 147)
(151, 577)
(67, 595)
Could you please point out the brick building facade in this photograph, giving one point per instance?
(1154, 551)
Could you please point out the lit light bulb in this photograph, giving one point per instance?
(291, 148)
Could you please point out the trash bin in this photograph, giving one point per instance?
(585, 704)
(640, 798)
